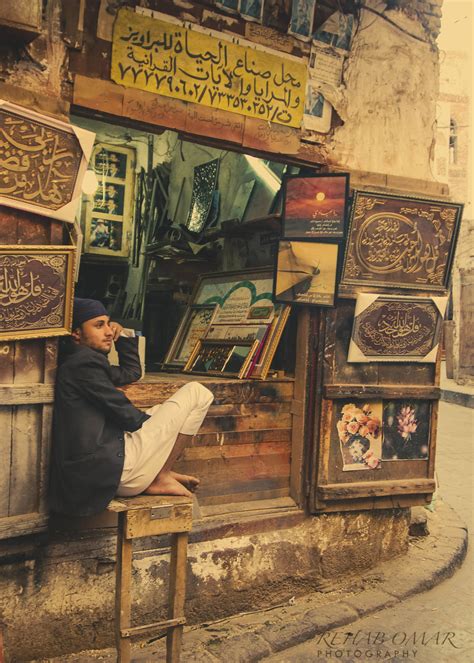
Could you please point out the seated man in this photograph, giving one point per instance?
(102, 444)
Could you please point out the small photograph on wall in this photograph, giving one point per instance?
(317, 111)
(109, 198)
(315, 206)
(106, 234)
(336, 31)
(109, 163)
(406, 430)
(302, 16)
(251, 10)
(276, 14)
(306, 273)
(359, 429)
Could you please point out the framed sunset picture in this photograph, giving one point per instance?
(315, 206)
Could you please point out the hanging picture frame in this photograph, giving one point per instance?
(399, 242)
(394, 328)
(44, 164)
(204, 185)
(306, 273)
(109, 212)
(36, 291)
(315, 206)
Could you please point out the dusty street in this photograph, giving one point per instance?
(442, 617)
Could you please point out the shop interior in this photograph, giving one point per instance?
(157, 213)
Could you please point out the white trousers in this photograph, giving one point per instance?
(148, 449)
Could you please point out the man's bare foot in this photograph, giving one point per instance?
(192, 483)
(165, 484)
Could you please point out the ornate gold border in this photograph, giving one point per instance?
(70, 252)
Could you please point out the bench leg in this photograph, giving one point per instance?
(177, 590)
(123, 592)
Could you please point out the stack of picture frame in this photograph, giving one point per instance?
(231, 327)
(313, 229)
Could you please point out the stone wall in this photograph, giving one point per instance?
(62, 590)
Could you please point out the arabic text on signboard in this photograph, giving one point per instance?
(177, 62)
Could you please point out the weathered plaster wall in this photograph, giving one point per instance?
(387, 100)
(64, 589)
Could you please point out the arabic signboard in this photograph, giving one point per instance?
(396, 328)
(42, 162)
(36, 290)
(400, 242)
(174, 61)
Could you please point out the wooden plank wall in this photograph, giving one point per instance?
(243, 449)
(333, 488)
(27, 371)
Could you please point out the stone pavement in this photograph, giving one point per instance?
(452, 392)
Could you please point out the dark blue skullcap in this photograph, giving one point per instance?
(86, 309)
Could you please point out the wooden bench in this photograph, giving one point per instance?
(148, 515)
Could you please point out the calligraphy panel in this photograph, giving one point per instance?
(36, 289)
(43, 161)
(396, 328)
(174, 61)
(400, 242)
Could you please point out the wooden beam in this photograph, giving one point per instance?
(348, 491)
(26, 394)
(379, 391)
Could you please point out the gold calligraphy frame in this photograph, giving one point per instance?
(85, 141)
(64, 325)
(368, 207)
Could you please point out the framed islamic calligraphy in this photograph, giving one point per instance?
(43, 162)
(36, 290)
(108, 213)
(391, 329)
(399, 242)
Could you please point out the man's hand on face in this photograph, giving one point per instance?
(116, 328)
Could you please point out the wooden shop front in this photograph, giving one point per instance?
(282, 441)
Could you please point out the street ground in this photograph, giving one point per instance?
(447, 609)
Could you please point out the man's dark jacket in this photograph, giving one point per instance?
(90, 417)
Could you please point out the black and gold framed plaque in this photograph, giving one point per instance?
(36, 290)
(399, 242)
(390, 328)
(43, 162)
(221, 358)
